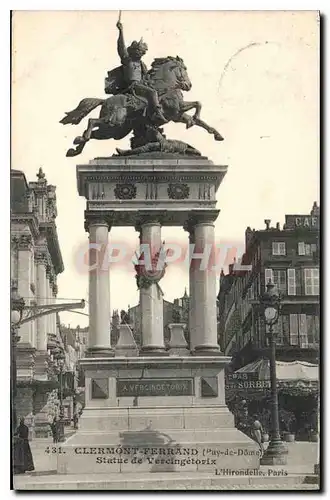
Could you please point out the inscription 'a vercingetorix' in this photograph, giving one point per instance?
(154, 387)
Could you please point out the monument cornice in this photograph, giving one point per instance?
(138, 171)
(150, 362)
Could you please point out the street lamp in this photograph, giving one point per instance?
(60, 358)
(17, 305)
(276, 453)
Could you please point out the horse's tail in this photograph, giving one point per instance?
(84, 107)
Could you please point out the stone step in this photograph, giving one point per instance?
(167, 481)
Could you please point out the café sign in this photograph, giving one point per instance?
(302, 221)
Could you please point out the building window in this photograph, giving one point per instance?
(282, 330)
(306, 248)
(311, 281)
(280, 280)
(292, 289)
(278, 248)
(303, 341)
(294, 333)
(312, 330)
(300, 332)
(268, 276)
(278, 277)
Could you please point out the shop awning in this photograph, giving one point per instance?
(297, 378)
(286, 371)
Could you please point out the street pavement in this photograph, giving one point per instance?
(302, 457)
(44, 453)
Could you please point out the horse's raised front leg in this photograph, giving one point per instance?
(210, 130)
(187, 106)
(184, 118)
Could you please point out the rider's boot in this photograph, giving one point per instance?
(158, 114)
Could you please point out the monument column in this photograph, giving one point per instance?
(40, 259)
(193, 341)
(99, 286)
(151, 297)
(204, 289)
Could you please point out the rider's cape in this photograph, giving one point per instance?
(115, 81)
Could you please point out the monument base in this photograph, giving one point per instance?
(156, 415)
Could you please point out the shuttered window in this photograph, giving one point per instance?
(292, 290)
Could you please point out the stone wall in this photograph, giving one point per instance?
(24, 407)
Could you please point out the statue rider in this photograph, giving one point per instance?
(135, 71)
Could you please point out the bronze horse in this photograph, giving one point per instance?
(122, 113)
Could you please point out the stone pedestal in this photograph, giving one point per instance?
(156, 415)
(126, 345)
(177, 344)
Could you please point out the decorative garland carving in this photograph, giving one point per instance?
(178, 191)
(40, 257)
(147, 277)
(50, 273)
(125, 191)
(22, 242)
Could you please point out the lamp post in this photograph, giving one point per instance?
(60, 365)
(17, 305)
(276, 453)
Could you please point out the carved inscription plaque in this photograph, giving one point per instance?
(155, 387)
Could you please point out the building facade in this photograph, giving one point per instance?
(36, 261)
(289, 257)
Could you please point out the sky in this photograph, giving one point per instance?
(256, 75)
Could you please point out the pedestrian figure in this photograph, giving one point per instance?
(23, 460)
(54, 428)
(75, 421)
(256, 433)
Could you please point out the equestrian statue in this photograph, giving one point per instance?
(141, 100)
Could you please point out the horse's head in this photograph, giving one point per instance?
(170, 72)
(183, 78)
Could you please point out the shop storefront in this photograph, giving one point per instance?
(248, 394)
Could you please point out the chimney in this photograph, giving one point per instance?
(267, 222)
(315, 209)
(278, 226)
(248, 235)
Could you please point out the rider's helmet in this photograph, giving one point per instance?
(137, 49)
